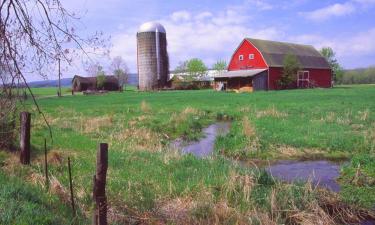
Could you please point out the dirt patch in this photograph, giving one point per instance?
(341, 212)
(176, 210)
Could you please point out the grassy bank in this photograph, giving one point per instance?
(149, 181)
(22, 203)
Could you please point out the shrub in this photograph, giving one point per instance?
(290, 70)
(7, 124)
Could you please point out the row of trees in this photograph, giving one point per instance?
(117, 68)
(195, 68)
(358, 76)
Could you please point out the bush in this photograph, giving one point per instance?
(184, 85)
(290, 69)
(7, 126)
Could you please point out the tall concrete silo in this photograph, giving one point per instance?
(152, 57)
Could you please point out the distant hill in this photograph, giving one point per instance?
(67, 82)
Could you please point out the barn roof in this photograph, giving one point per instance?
(274, 53)
(90, 80)
(85, 80)
(241, 73)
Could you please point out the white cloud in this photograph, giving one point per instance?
(338, 9)
(203, 16)
(181, 16)
(260, 4)
(330, 11)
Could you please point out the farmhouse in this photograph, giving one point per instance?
(79, 83)
(258, 65)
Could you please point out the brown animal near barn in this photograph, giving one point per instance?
(79, 84)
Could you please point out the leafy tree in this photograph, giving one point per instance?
(196, 69)
(291, 66)
(100, 78)
(220, 66)
(337, 70)
(120, 70)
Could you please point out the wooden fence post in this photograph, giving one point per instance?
(71, 188)
(25, 125)
(100, 209)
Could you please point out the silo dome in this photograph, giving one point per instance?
(151, 27)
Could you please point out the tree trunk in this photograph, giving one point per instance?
(25, 138)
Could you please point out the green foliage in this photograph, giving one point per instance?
(291, 66)
(220, 65)
(195, 69)
(358, 76)
(178, 84)
(337, 70)
(100, 79)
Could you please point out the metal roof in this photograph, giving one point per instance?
(151, 27)
(241, 73)
(274, 53)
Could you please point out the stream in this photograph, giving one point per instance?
(205, 146)
(321, 173)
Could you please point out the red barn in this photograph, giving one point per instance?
(258, 65)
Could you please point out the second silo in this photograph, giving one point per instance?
(152, 57)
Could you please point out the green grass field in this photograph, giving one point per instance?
(149, 180)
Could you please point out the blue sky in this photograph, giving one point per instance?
(212, 29)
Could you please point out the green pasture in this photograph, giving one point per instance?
(145, 173)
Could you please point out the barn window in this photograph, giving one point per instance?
(240, 57)
(251, 56)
